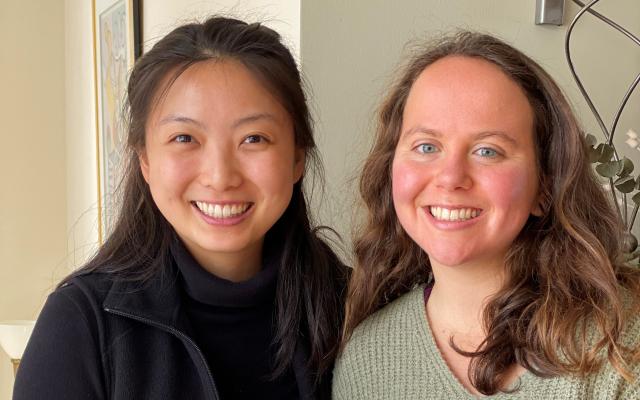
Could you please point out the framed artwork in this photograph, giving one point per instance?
(117, 43)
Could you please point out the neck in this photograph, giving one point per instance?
(460, 293)
(232, 266)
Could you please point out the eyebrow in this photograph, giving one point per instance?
(252, 118)
(181, 119)
(499, 134)
(481, 135)
(244, 120)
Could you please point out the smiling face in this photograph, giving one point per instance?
(221, 162)
(464, 171)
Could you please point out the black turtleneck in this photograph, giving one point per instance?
(234, 326)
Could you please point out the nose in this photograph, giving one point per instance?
(453, 173)
(220, 169)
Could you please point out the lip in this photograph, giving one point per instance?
(452, 206)
(451, 225)
(223, 202)
(229, 221)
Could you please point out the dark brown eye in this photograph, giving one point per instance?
(183, 139)
(254, 139)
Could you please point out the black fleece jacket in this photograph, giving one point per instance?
(97, 338)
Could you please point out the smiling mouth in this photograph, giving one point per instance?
(222, 211)
(453, 214)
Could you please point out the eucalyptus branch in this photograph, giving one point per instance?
(605, 156)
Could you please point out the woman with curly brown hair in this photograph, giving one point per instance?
(489, 263)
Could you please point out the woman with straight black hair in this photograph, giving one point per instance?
(213, 283)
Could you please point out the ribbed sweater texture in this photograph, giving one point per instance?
(392, 355)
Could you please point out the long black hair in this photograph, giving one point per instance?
(309, 298)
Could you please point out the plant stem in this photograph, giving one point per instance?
(634, 213)
(624, 207)
(615, 198)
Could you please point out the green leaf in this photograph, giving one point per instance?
(591, 140)
(609, 169)
(595, 153)
(636, 198)
(607, 153)
(627, 167)
(626, 184)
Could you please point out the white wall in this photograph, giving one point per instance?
(350, 50)
(32, 160)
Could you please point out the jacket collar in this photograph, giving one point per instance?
(157, 299)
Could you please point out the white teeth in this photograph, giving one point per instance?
(458, 214)
(224, 211)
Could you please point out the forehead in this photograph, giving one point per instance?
(214, 89)
(459, 93)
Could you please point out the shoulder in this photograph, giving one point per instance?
(631, 332)
(64, 346)
(385, 344)
(75, 305)
(73, 312)
(395, 316)
(608, 382)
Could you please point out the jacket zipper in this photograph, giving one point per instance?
(179, 334)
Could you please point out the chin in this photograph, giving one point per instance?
(450, 263)
(448, 258)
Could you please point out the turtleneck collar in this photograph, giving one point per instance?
(207, 288)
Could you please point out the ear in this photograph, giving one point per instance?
(298, 166)
(538, 207)
(144, 163)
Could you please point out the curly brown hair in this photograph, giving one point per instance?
(565, 271)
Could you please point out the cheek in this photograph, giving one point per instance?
(273, 174)
(514, 190)
(170, 175)
(407, 181)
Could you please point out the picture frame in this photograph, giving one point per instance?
(116, 45)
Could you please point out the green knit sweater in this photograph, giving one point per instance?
(392, 355)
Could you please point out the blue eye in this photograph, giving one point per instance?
(426, 148)
(487, 152)
(183, 138)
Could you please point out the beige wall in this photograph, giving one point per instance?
(161, 16)
(32, 160)
(350, 50)
(81, 167)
